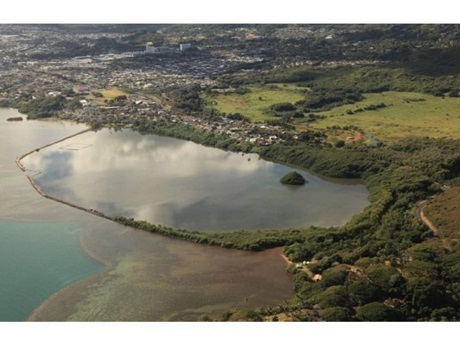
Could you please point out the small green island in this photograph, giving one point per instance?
(17, 118)
(293, 178)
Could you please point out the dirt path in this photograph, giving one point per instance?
(299, 266)
(419, 213)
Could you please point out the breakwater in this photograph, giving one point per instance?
(81, 208)
(20, 158)
(43, 194)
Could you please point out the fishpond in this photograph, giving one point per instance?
(181, 184)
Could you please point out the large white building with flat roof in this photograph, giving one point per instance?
(151, 49)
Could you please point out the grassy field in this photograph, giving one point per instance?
(108, 94)
(254, 103)
(407, 114)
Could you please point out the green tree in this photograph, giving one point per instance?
(335, 275)
(333, 296)
(337, 314)
(380, 275)
(377, 311)
(362, 291)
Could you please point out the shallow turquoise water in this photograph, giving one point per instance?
(36, 260)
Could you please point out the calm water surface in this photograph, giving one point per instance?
(181, 184)
(58, 263)
(39, 253)
(36, 260)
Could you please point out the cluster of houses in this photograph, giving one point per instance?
(78, 77)
(140, 109)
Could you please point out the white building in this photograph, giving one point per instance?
(149, 48)
(184, 46)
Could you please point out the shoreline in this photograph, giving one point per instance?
(285, 258)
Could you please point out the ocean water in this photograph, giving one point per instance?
(36, 260)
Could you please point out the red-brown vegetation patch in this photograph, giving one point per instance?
(443, 212)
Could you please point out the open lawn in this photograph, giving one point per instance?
(407, 114)
(108, 94)
(254, 103)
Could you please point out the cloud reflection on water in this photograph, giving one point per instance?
(182, 184)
